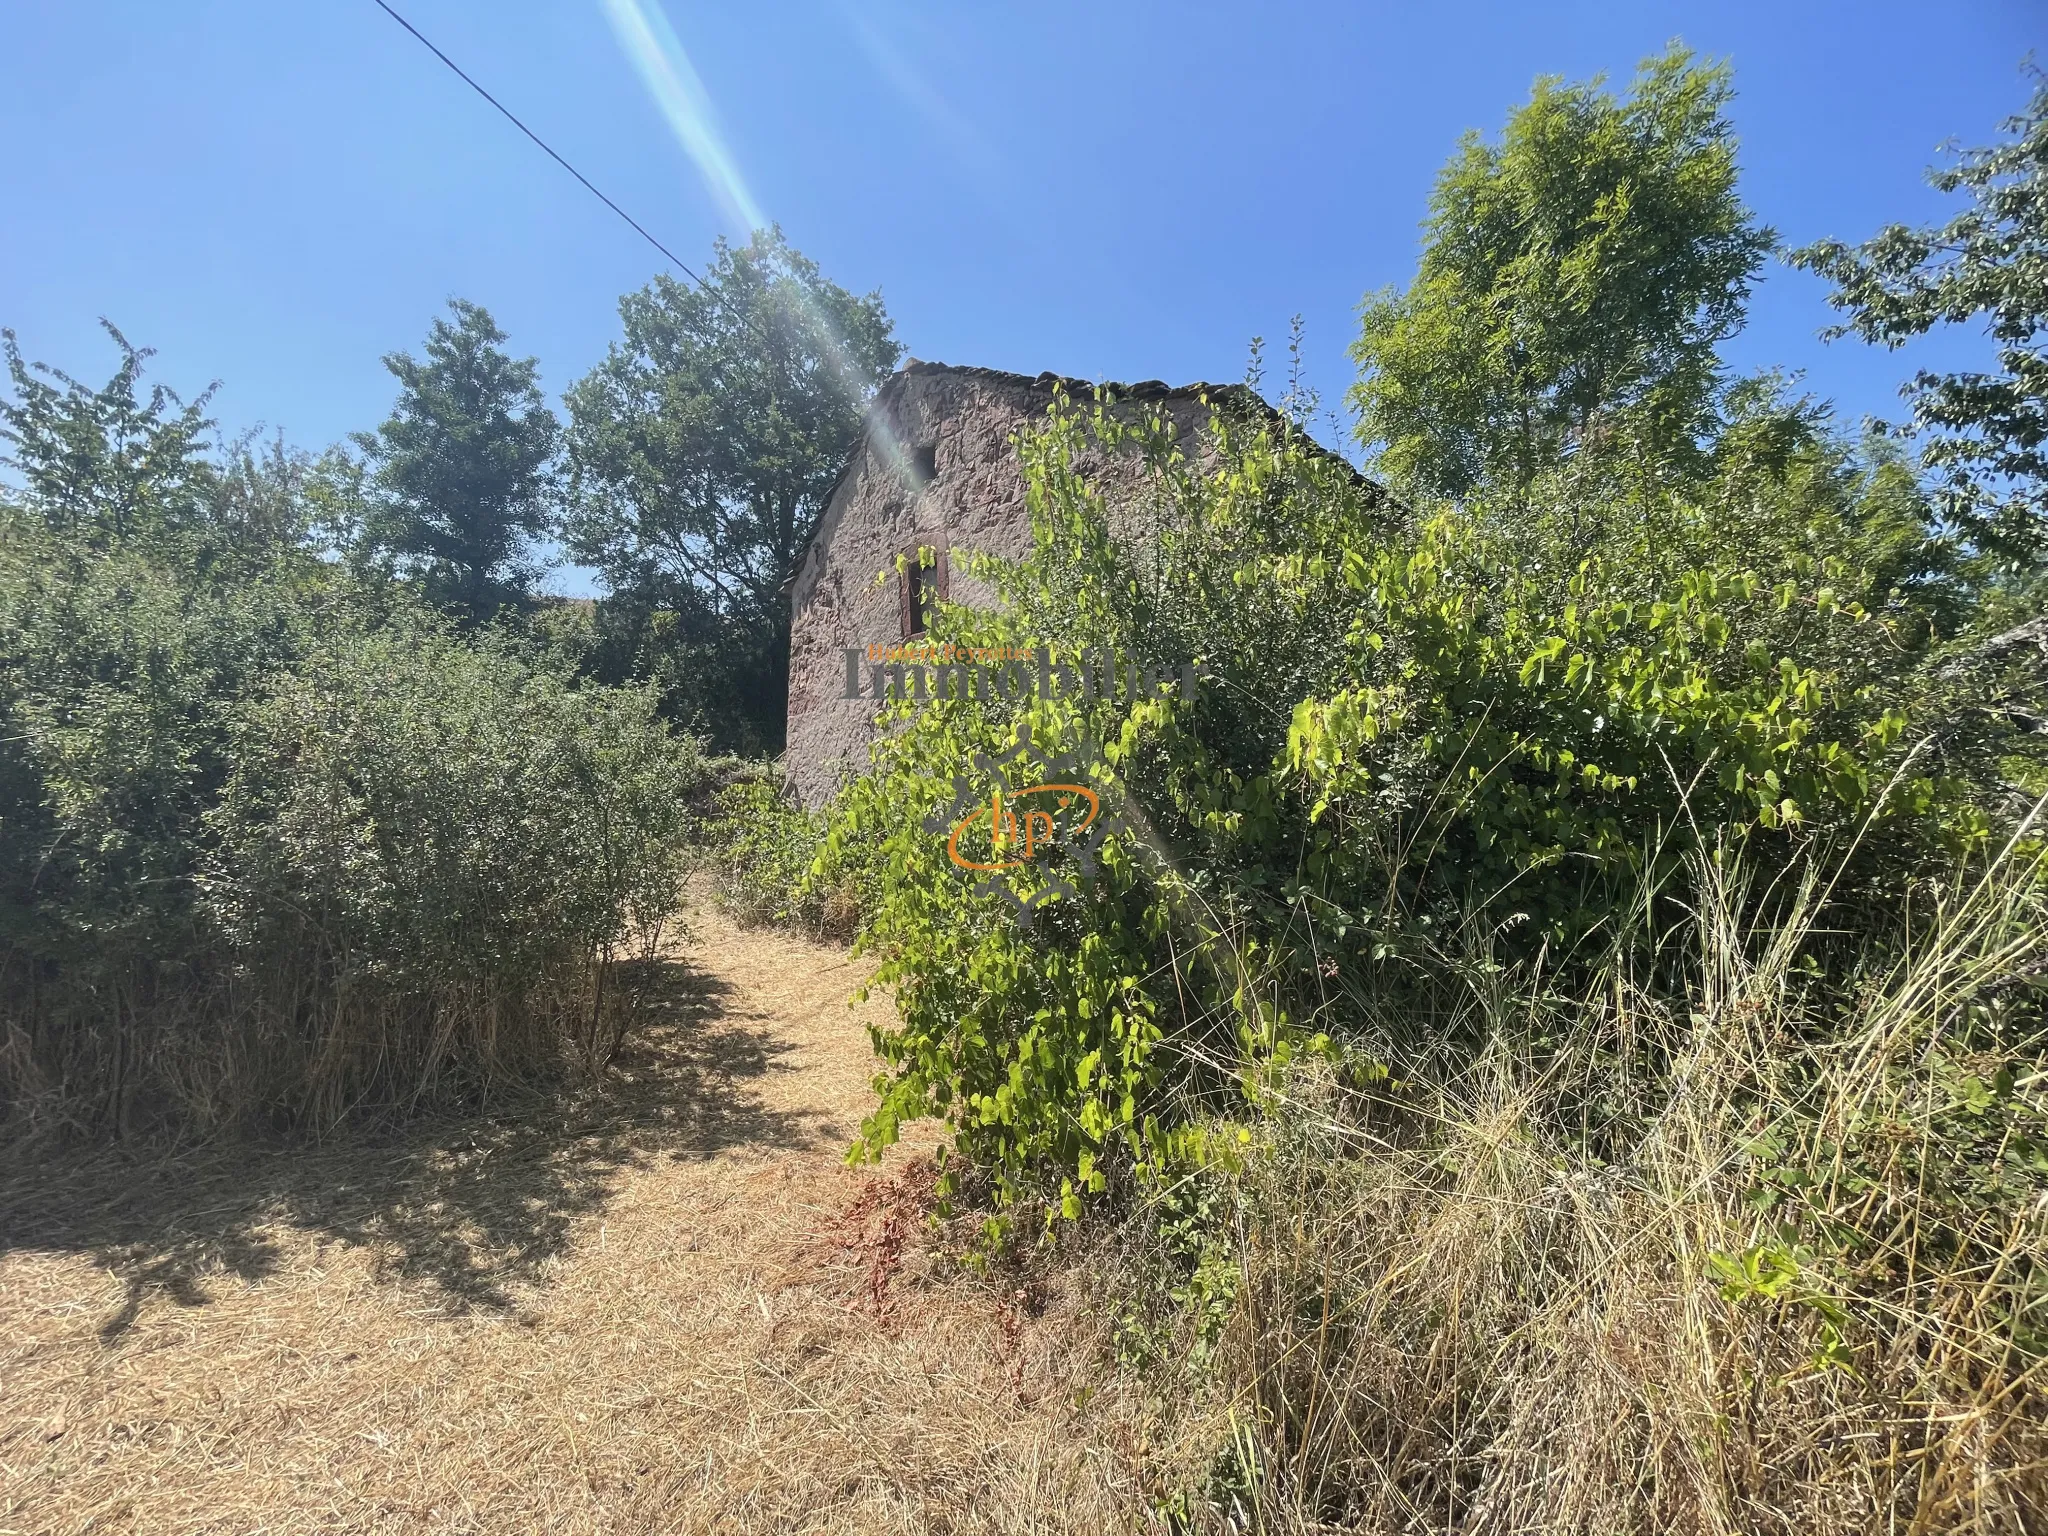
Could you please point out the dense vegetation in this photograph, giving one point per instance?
(310, 801)
(1553, 1036)
(1558, 1011)
(278, 838)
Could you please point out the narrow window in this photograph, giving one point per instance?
(916, 599)
(924, 464)
(922, 585)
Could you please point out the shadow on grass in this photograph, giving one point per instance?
(475, 1203)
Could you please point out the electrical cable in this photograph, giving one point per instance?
(549, 149)
(833, 346)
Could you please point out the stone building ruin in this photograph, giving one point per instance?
(955, 485)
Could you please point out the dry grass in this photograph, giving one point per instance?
(659, 1304)
(1439, 1310)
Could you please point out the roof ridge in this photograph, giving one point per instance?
(1143, 389)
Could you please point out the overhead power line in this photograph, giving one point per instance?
(513, 119)
(834, 347)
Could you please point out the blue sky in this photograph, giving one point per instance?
(273, 195)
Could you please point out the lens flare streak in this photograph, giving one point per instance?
(665, 69)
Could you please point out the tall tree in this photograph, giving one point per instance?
(701, 452)
(1584, 267)
(1983, 434)
(461, 476)
(110, 463)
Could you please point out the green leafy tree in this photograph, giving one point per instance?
(104, 464)
(701, 453)
(266, 493)
(1984, 434)
(124, 464)
(461, 480)
(1581, 270)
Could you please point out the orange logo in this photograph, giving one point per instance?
(1039, 826)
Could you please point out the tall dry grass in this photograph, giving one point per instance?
(1751, 1257)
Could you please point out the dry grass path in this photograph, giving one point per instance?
(660, 1304)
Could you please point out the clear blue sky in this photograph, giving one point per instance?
(275, 194)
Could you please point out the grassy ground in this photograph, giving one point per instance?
(660, 1305)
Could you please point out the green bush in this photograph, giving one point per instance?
(116, 682)
(427, 828)
(273, 847)
(1413, 730)
(762, 848)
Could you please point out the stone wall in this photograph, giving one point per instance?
(954, 425)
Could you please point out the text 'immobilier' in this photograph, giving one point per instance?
(929, 672)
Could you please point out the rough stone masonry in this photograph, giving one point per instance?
(956, 486)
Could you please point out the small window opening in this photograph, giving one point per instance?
(918, 600)
(922, 588)
(924, 464)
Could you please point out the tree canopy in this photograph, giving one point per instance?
(1983, 434)
(108, 463)
(701, 452)
(461, 483)
(1584, 266)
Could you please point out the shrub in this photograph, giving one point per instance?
(116, 680)
(763, 846)
(429, 854)
(1411, 732)
(273, 849)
